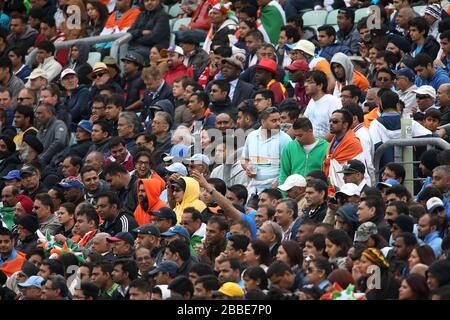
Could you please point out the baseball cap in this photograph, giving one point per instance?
(234, 62)
(298, 65)
(230, 289)
(109, 61)
(33, 281)
(176, 230)
(166, 213)
(148, 229)
(434, 203)
(37, 73)
(71, 182)
(198, 157)
(86, 125)
(353, 166)
(405, 72)
(364, 231)
(66, 72)
(124, 236)
(13, 174)
(168, 266)
(388, 183)
(294, 180)
(305, 46)
(175, 49)
(349, 189)
(426, 90)
(28, 170)
(179, 150)
(177, 168)
(136, 58)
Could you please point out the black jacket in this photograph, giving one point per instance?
(95, 91)
(158, 22)
(134, 86)
(431, 47)
(128, 196)
(243, 91)
(102, 146)
(317, 214)
(12, 162)
(223, 107)
(28, 244)
(150, 98)
(122, 223)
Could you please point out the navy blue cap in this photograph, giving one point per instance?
(177, 230)
(166, 213)
(148, 229)
(407, 73)
(124, 236)
(169, 267)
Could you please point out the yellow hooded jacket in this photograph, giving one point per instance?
(190, 198)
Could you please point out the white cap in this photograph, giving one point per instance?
(350, 189)
(66, 72)
(198, 157)
(175, 49)
(426, 90)
(294, 180)
(434, 203)
(305, 46)
(177, 168)
(36, 73)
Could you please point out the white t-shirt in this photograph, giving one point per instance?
(319, 113)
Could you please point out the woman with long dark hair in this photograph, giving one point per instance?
(258, 254)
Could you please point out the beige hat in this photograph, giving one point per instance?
(37, 73)
(426, 90)
(305, 46)
(98, 66)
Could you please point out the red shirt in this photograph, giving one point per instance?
(178, 71)
(278, 90)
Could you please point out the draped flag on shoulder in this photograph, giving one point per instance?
(270, 20)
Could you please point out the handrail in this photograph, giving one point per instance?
(406, 143)
(118, 43)
(89, 40)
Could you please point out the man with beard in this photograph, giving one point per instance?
(23, 120)
(296, 86)
(265, 77)
(100, 136)
(219, 96)
(9, 159)
(175, 62)
(31, 181)
(149, 191)
(92, 183)
(399, 46)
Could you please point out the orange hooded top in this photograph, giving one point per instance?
(153, 188)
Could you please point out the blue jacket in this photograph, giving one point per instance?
(329, 51)
(433, 240)
(438, 78)
(78, 103)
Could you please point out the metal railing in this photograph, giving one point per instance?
(418, 142)
(405, 143)
(118, 39)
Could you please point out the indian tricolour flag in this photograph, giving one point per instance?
(270, 20)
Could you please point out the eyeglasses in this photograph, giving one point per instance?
(142, 163)
(383, 79)
(311, 270)
(146, 258)
(99, 75)
(420, 97)
(36, 208)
